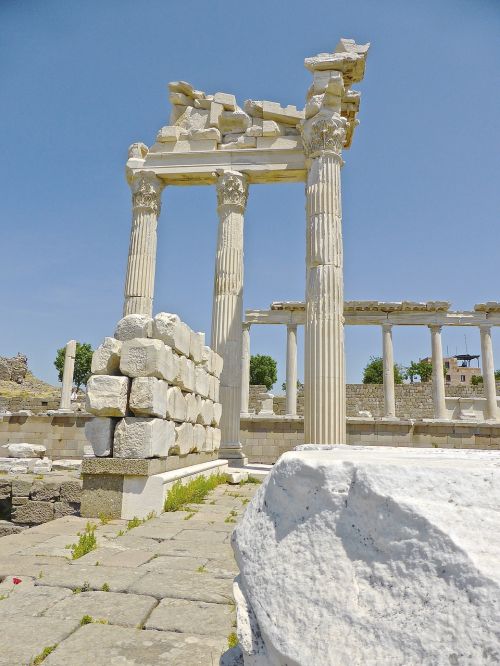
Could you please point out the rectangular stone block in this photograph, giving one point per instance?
(143, 438)
(134, 326)
(217, 414)
(186, 378)
(206, 412)
(107, 395)
(143, 357)
(172, 331)
(209, 438)
(196, 342)
(33, 513)
(199, 437)
(207, 359)
(148, 397)
(202, 381)
(176, 404)
(71, 491)
(216, 439)
(45, 491)
(106, 358)
(217, 363)
(100, 432)
(193, 404)
(184, 438)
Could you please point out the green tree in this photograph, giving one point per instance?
(374, 371)
(478, 379)
(300, 386)
(422, 369)
(263, 370)
(83, 361)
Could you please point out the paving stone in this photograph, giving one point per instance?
(129, 540)
(127, 610)
(195, 549)
(202, 536)
(23, 641)
(173, 563)
(126, 558)
(156, 530)
(184, 585)
(181, 615)
(106, 645)
(31, 601)
(97, 555)
(118, 580)
(28, 565)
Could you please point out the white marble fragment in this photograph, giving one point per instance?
(148, 397)
(184, 438)
(143, 438)
(206, 414)
(107, 395)
(227, 100)
(379, 556)
(144, 358)
(106, 358)
(216, 438)
(196, 342)
(202, 381)
(217, 414)
(172, 331)
(193, 405)
(186, 377)
(24, 450)
(176, 404)
(100, 432)
(199, 437)
(134, 326)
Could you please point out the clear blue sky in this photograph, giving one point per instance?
(83, 79)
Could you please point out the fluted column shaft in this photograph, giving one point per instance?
(245, 368)
(146, 205)
(324, 376)
(227, 312)
(388, 371)
(291, 369)
(488, 363)
(438, 393)
(69, 369)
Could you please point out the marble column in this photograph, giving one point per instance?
(227, 311)
(291, 369)
(324, 373)
(245, 368)
(488, 364)
(67, 382)
(146, 204)
(438, 394)
(388, 371)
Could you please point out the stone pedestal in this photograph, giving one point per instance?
(324, 378)
(438, 392)
(67, 382)
(388, 364)
(146, 205)
(245, 369)
(227, 312)
(291, 369)
(490, 390)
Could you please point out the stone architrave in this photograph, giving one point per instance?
(67, 383)
(245, 369)
(291, 369)
(146, 205)
(227, 312)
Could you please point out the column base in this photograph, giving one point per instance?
(234, 456)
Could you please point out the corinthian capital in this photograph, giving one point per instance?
(146, 191)
(324, 134)
(232, 189)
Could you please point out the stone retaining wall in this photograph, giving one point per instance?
(265, 439)
(28, 500)
(412, 400)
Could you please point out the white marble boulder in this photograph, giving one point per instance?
(134, 326)
(100, 433)
(372, 555)
(24, 450)
(148, 397)
(143, 438)
(107, 395)
(106, 358)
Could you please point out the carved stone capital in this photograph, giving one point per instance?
(232, 189)
(324, 135)
(146, 191)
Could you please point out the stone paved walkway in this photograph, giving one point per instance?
(160, 593)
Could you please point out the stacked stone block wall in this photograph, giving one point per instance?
(29, 500)
(154, 391)
(412, 400)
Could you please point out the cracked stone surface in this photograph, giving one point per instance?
(172, 576)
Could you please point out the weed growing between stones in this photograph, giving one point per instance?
(193, 492)
(84, 588)
(201, 569)
(87, 542)
(136, 522)
(105, 587)
(232, 640)
(44, 654)
(88, 619)
(104, 518)
(232, 517)
(251, 479)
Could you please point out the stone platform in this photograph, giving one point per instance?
(170, 589)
